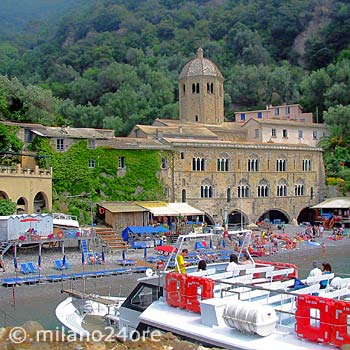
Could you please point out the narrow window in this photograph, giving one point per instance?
(242, 116)
(164, 163)
(257, 134)
(285, 133)
(212, 88)
(228, 195)
(182, 155)
(193, 88)
(121, 163)
(92, 143)
(300, 134)
(183, 196)
(277, 111)
(314, 135)
(287, 110)
(197, 88)
(184, 89)
(92, 163)
(196, 118)
(273, 132)
(60, 144)
(259, 115)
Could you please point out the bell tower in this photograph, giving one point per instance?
(201, 91)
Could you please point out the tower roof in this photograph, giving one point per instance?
(200, 66)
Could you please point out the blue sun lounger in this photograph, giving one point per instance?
(24, 268)
(11, 281)
(58, 264)
(31, 267)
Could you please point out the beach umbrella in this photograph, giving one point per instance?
(30, 220)
(145, 253)
(15, 264)
(123, 255)
(103, 257)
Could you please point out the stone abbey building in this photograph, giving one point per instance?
(264, 165)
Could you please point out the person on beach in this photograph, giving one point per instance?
(233, 262)
(316, 271)
(326, 269)
(323, 245)
(2, 263)
(181, 264)
(202, 265)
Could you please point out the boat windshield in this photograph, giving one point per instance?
(142, 297)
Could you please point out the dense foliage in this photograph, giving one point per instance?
(115, 63)
(7, 207)
(75, 183)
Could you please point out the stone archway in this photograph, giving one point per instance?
(40, 202)
(209, 219)
(275, 215)
(3, 195)
(307, 215)
(237, 219)
(22, 206)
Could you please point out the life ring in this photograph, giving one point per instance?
(60, 234)
(101, 210)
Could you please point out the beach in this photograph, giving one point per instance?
(38, 302)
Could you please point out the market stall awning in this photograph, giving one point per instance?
(122, 207)
(170, 209)
(334, 203)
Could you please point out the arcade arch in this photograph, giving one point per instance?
(3, 195)
(22, 205)
(306, 215)
(237, 218)
(40, 202)
(275, 214)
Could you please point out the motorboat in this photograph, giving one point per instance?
(254, 305)
(82, 314)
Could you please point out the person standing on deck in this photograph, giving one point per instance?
(181, 264)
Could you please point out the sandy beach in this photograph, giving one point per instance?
(38, 302)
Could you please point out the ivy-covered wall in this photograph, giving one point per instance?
(76, 187)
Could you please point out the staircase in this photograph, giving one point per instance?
(113, 241)
(4, 247)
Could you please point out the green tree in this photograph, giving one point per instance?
(7, 207)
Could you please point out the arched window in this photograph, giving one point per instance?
(282, 188)
(228, 195)
(212, 88)
(198, 164)
(299, 188)
(184, 89)
(307, 164)
(196, 118)
(281, 165)
(206, 191)
(243, 189)
(183, 196)
(263, 189)
(253, 164)
(197, 88)
(311, 193)
(222, 164)
(193, 88)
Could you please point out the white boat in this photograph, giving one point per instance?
(61, 220)
(81, 315)
(253, 306)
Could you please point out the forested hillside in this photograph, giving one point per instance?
(115, 63)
